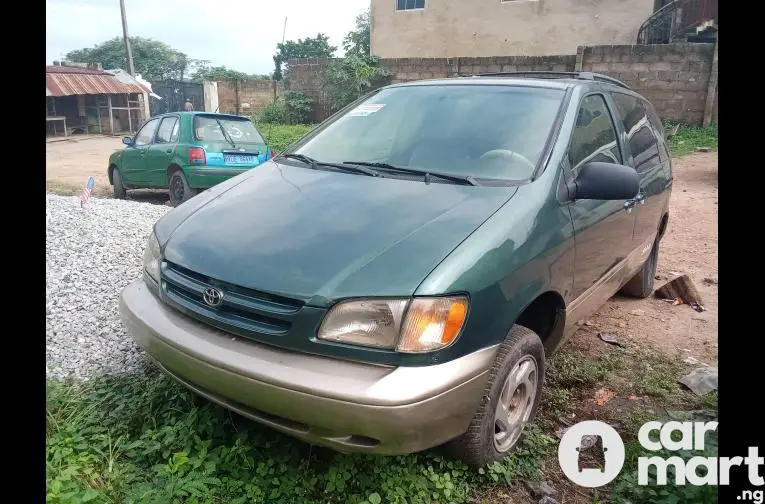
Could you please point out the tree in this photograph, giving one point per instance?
(350, 77)
(357, 41)
(316, 47)
(218, 73)
(154, 60)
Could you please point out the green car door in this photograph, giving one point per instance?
(133, 169)
(161, 151)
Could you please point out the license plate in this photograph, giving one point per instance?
(238, 158)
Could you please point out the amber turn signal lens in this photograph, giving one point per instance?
(432, 323)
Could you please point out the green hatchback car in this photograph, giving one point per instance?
(397, 278)
(186, 152)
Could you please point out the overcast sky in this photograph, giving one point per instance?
(240, 34)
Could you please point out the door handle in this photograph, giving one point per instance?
(169, 151)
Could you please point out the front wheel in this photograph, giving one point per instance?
(510, 401)
(119, 189)
(180, 190)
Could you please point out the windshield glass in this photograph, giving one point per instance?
(476, 130)
(241, 131)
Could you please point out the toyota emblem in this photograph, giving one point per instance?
(213, 297)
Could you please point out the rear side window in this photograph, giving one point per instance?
(594, 137)
(658, 129)
(225, 129)
(167, 129)
(640, 132)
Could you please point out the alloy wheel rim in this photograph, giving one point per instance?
(515, 404)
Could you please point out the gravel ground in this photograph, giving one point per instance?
(91, 255)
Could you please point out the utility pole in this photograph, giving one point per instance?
(284, 32)
(131, 67)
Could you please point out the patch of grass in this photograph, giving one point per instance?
(141, 438)
(279, 136)
(626, 487)
(688, 138)
(569, 369)
(68, 189)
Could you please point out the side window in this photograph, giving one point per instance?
(176, 132)
(166, 130)
(594, 137)
(640, 132)
(146, 133)
(658, 129)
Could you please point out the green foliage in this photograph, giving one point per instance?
(573, 369)
(273, 113)
(280, 136)
(298, 107)
(153, 60)
(357, 41)
(316, 47)
(140, 438)
(218, 73)
(295, 108)
(626, 487)
(348, 78)
(689, 138)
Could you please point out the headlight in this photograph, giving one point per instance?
(151, 257)
(416, 326)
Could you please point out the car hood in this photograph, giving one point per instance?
(319, 236)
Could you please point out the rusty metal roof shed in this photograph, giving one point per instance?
(68, 81)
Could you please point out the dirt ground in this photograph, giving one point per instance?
(71, 162)
(690, 247)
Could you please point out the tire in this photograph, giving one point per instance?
(641, 285)
(180, 191)
(119, 190)
(483, 443)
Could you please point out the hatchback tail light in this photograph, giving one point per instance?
(197, 156)
(271, 154)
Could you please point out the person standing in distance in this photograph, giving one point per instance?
(188, 107)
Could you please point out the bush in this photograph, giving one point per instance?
(350, 77)
(298, 108)
(279, 136)
(275, 113)
(295, 108)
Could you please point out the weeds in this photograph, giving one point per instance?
(689, 138)
(140, 438)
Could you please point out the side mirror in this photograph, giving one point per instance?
(604, 181)
(127, 140)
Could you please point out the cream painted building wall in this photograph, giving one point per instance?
(453, 28)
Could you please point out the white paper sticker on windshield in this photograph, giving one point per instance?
(365, 110)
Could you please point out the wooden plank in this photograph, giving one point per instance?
(111, 115)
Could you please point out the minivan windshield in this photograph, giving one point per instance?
(215, 129)
(479, 131)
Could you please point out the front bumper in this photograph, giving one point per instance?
(348, 406)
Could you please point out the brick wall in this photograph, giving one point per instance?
(247, 97)
(674, 77)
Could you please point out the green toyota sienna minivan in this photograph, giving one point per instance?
(396, 279)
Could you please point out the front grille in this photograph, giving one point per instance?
(242, 311)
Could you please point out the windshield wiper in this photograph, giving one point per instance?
(464, 179)
(315, 164)
(225, 135)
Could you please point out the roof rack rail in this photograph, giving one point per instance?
(554, 75)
